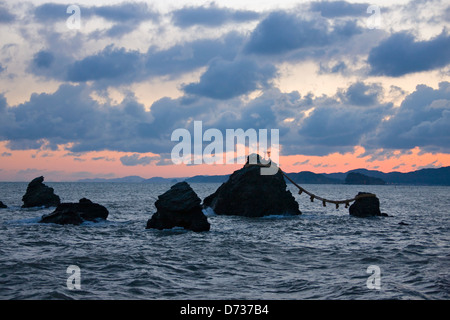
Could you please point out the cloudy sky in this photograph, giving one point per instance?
(347, 84)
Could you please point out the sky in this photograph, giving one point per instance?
(96, 90)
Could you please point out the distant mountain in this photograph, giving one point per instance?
(313, 178)
(429, 176)
(438, 176)
(208, 179)
(359, 178)
(133, 179)
(162, 180)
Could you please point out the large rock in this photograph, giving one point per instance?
(366, 206)
(179, 207)
(3, 206)
(39, 195)
(76, 213)
(248, 193)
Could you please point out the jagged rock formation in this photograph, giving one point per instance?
(39, 195)
(179, 207)
(248, 193)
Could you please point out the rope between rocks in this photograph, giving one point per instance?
(324, 201)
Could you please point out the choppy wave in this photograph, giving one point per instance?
(322, 254)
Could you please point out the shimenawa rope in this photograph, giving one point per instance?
(324, 201)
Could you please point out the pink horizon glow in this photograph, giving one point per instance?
(58, 166)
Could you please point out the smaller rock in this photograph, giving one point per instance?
(76, 213)
(3, 206)
(179, 207)
(39, 195)
(403, 223)
(366, 206)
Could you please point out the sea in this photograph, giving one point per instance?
(323, 254)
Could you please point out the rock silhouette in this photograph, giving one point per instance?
(39, 195)
(3, 206)
(366, 207)
(76, 213)
(250, 194)
(179, 207)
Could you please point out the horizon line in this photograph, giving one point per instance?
(217, 175)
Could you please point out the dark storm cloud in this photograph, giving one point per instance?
(119, 30)
(336, 124)
(43, 59)
(228, 79)
(189, 56)
(126, 16)
(71, 115)
(107, 64)
(5, 15)
(235, 64)
(360, 94)
(115, 66)
(211, 16)
(401, 54)
(50, 12)
(281, 32)
(423, 120)
(136, 160)
(337, 127)
(123, 12)
(50, 64)
(333, 9)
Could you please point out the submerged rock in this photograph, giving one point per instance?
(250, 194)
(76, 213)
(39, 195)
(366, 207)
(3, 206)
(179, 207)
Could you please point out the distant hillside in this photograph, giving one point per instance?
(313, 178)
(429, 176)
(439, 176)
(208, 179)
(359, 178)
(162, 180)
(132, 179)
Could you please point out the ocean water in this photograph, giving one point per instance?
(322, 254)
